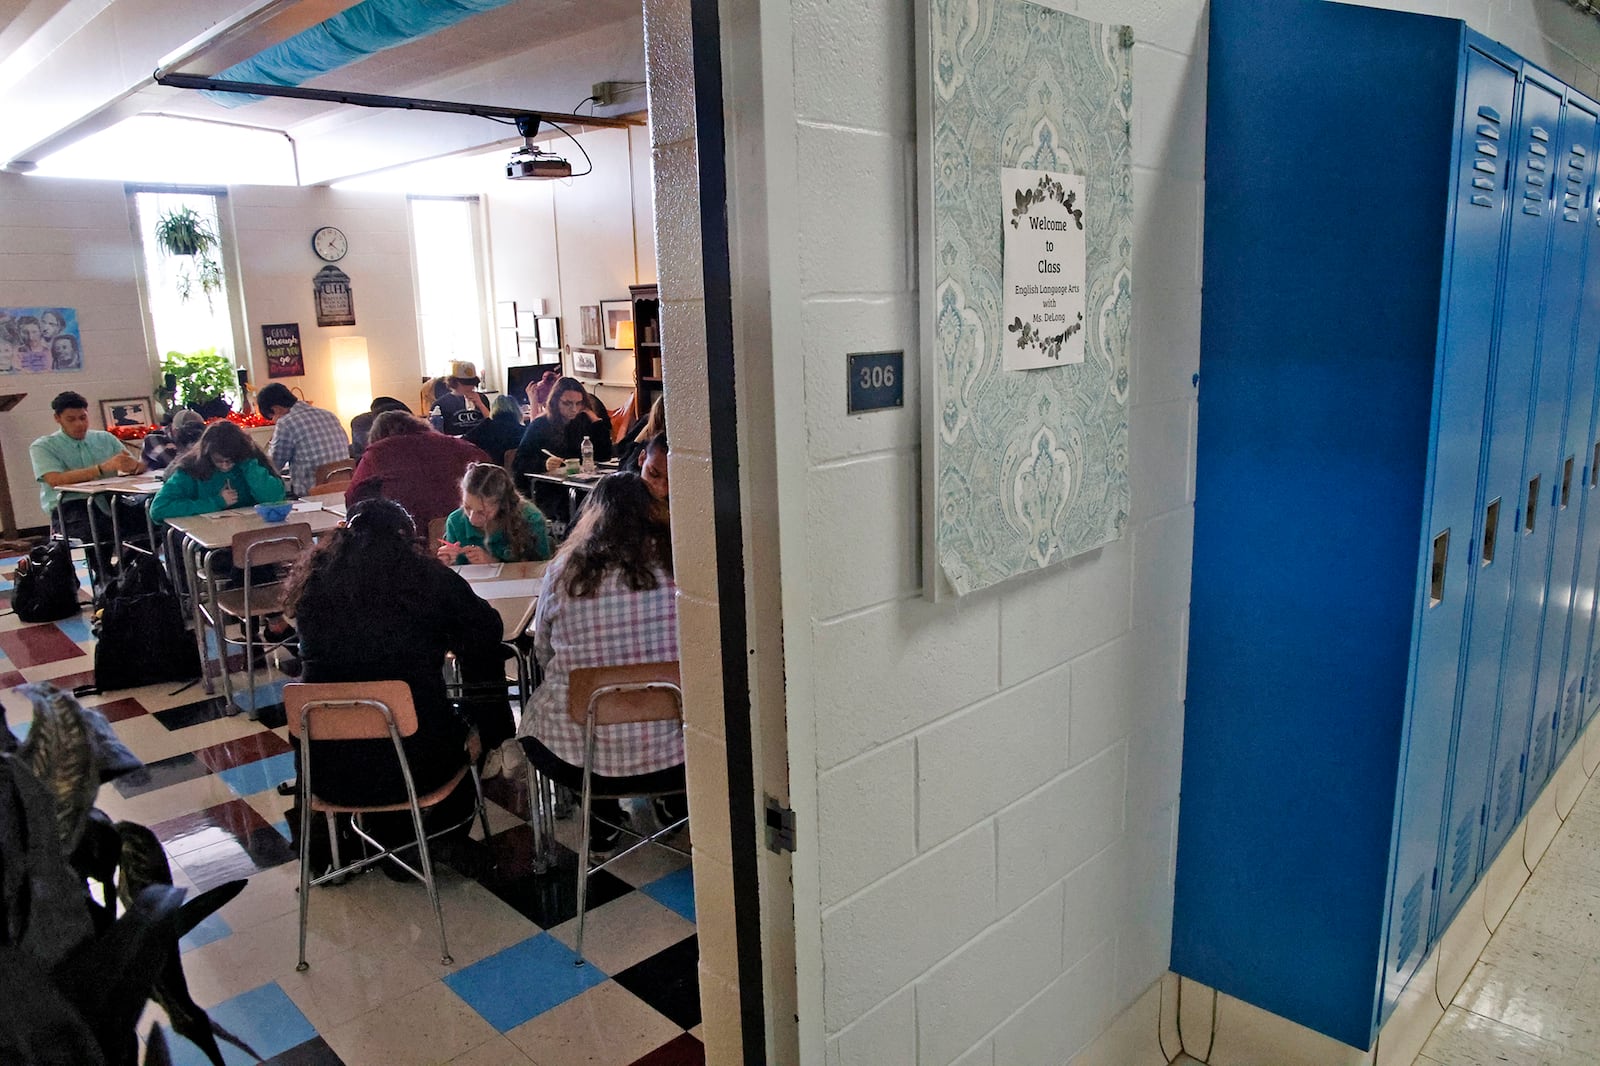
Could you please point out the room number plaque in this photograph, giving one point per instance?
(877, 381)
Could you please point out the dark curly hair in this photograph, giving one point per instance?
(372, 550)
(620, 528)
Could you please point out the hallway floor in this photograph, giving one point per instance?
(1533, 999)
(375, 992)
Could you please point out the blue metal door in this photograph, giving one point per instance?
(1556, 694)
(1585, 648)
(1468, 330)
(1539, 117)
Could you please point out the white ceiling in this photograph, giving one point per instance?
(69, 68)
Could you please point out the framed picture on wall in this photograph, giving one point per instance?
(585, 361)
(589, 317)
(130, 412)
(617, 319)
(549, 330)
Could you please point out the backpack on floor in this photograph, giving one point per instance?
(46, 584)
(143, 640)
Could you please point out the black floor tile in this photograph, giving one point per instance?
(669, 981)
(160, 774)
(505, 867)
(314, 1052)
(205, 709)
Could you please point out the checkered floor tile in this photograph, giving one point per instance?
(375, 991)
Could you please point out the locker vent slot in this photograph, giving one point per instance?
(1566, 482)
(1536, 181)
(1569, 711)
(1490, 131)
(1579, 149)
(1594, 467)
(1538, 133)
(1571, 216)
(1483, 183)
(1505, 802)
(1461, 852)
(1489, 113)
(1491, 529)
(1536, 165)
(1483, 165)
(1531, 209)
(1540, 744)
(1410, 924)
(1594, 660)
(1441, 552)
(1486, 148)
(1481, 200)
(1530, 518)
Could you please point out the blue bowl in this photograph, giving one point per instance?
(274, 512)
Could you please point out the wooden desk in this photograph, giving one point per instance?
(128, 485)
(513, 591)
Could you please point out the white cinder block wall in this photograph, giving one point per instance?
(990, 786)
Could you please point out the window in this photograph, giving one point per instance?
(189, 304)
(450, 303)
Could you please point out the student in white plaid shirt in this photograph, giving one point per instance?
(609, 599)
(303, 437)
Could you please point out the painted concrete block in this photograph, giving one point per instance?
(1158, 458)
(855, 215)
(669, 62)
(1163, 553)
(832, 328)
(1060, 826)
(867, 817)
(1052, 617)
(897, 667)
(972, 764)
(981, 985)
(856, 67)
(887, 1033)
(1169, 112)
(1063, 1019)
(881, 940)
(681, 267)
(862, 521)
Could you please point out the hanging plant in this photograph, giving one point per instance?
(186, 234)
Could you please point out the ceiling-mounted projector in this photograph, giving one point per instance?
(530, 162)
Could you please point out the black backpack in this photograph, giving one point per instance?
(46, 585)
(142, 638)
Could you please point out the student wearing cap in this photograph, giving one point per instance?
(463, 408)
(303, 436)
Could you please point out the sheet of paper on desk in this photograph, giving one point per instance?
(505, 590)
(234, 512)
(306, 505)
(479, 571)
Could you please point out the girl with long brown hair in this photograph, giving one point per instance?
(494, 523)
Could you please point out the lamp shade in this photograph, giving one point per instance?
(625, 334)
(352, 377)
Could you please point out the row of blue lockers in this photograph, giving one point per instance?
(1397, 539)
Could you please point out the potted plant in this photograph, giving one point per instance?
(89, 918)
(204, 381)
(185, 234)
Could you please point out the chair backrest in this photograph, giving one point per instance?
(361, 706)
(509, 458)
(338, 469)
(274, 544)
(641, 692)
(435, 533)
(331, 489)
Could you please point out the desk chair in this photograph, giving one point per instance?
(255, 600)
(367, 710)
(616, 695)
(337, 470)
(509, 459)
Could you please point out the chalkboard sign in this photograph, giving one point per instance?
(877, 381)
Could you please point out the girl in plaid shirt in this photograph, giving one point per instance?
(608, 600)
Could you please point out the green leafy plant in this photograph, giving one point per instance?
(186, 235)
(89, 918)
(201, 379)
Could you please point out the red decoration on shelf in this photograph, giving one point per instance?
(250, 421)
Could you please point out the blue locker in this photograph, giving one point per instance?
(1556, 691)
(1588, 582)
(1480, 221)
(1370, 568)
(1539, 118)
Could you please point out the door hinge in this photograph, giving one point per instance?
(780, 827)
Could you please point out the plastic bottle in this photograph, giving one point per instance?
(587, 452)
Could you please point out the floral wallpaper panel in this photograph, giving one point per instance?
(1028, 468)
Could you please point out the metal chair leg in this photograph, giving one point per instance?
(427, 878)
(305, 858)
(583, 859)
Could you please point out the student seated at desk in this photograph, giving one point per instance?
(559, 432)
(608, 600)
(494, 524)
(162, 447)
(408, 462)
(224, 469)
(75, 453)
(370, 606)
(501, 432)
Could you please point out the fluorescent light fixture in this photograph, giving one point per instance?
(168, 149)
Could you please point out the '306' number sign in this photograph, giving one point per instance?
(877, 381)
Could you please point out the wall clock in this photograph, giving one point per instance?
(330, 243)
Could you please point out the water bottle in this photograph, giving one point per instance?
(586, 450)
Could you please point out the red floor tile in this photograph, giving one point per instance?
(235, 820)
(11, 679)
(256, 746)
(38, 645)
(68, 682)
(117, 710)
(683, 1051)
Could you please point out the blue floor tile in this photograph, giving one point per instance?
(210, 929)
(523, 981)
(674, 891)
(265, 1018)
(76, 628)
(259, 776)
